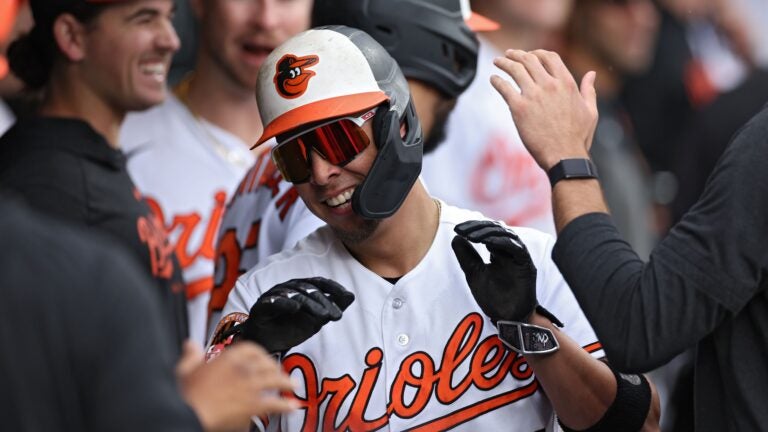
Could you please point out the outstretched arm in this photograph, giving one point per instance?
(557, 120)
(643, 313)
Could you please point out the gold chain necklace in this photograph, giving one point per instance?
(233, 157)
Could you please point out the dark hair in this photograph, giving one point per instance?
(31, 56)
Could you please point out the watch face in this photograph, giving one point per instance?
(578, 168)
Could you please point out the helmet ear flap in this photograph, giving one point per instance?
(396, 167)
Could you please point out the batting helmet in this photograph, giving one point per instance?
(335, 71)
(432, 40)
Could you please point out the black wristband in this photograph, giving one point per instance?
(628, 410)
(572, 169)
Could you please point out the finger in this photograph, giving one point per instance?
(270, 306)
(470, 261)
(332, 311)
(505, 236)
(254, 352)
(464, 229)
(273, 381)
(312, 307)
(553, 64)
(507, 90)
(532, 64)
(517, 72)
(509, 247)
(335, 290)
(191, 358)
(480, 232)
(277, 405)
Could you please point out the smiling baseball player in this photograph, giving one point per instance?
(264, 216)
(405, 313)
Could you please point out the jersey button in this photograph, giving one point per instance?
(403, 339)
(398, 303)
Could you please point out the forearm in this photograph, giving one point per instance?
(643, 313)
(574, 198)
(584, 391)
(580, 387)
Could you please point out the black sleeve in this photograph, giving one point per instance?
(128, 355)
(708, 268)
(84, 346)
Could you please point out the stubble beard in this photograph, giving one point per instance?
(359, 234)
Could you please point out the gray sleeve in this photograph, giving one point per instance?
(707, 269)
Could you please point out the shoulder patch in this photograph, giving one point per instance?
(224, 336)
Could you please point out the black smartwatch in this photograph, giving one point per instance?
(572, 169)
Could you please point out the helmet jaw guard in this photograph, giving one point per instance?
(396, 167)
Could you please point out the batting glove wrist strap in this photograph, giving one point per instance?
(527, 339)
(541, 310)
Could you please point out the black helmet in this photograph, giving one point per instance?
(430, 39)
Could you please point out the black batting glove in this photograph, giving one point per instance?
(505, 289)
(291, 312)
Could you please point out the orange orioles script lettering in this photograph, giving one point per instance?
(151, 233)
(181, 230)
(489, 363)
(291, 78)
(504, 171)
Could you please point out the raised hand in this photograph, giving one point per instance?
(242, 382)
(555, 117)
(505, 288)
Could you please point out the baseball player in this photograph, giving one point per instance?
(435, 45)
(499, 178)
(188, 154)
(405, 313)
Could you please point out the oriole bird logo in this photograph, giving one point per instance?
(292, 77)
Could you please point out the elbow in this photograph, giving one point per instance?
(630, 361)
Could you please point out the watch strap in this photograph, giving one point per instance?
(572, 169)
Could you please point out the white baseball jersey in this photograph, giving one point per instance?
(483, 165)
(416, 355)
(186, 168)
(264, 216)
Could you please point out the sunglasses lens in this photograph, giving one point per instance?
(337, 142)
(291, 159)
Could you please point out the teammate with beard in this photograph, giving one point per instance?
(188, 154)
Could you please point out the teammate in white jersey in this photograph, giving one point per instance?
(434, 44)
(499, 178)
(385, 316)
(187, 155)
